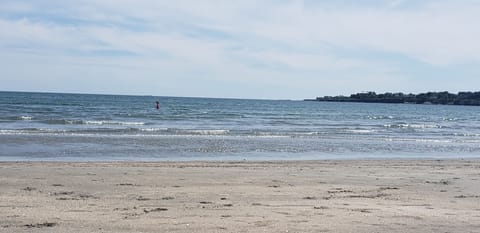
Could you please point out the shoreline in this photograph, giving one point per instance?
(247, 159)
(405, 195)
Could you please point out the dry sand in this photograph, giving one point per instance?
(307, 196)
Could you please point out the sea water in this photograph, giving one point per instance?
(80, 127)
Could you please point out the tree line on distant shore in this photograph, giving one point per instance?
(462, 98)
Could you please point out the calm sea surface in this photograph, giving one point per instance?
(65, 127)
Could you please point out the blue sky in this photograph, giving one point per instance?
(275, 49)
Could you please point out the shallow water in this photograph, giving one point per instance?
(45, 126)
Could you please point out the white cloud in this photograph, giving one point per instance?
(289, 43)
(440, 34)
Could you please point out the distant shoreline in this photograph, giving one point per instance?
(441, 98)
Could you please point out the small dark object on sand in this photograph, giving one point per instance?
(154, 210)
(29, 189)
(40, 225)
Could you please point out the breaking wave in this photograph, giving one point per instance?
(90, 122)
(413, 126)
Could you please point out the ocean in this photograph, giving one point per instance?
(83, 127)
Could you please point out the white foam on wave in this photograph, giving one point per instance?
(260, 134)
(208, 132)
(173, 131)
(30, 131)
(443, 141)
(26, 118)
(466, 134)
(379, 117)
(305, 133)
(361, 131)
(113, 123)
(153, 129)
(450, 119)
(72, 122)
(414, 126)
(8, 131)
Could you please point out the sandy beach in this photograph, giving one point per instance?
(306, 196)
